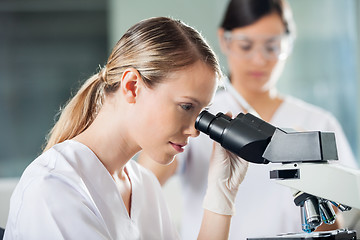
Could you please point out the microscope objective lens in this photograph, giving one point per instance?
(327, 212)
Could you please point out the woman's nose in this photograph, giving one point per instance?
(258, 58)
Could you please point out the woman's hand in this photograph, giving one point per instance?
(226, 172)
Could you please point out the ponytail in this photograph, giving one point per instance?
(79, 112)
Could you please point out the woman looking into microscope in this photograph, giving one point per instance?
(85, 185)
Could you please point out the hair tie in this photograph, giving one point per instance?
(102, 74)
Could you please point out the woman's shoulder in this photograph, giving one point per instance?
(306, 108)
(62, 158)
(299, 114)
(47, 162)
(61, 165)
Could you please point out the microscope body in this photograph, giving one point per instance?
(305, 162)
(315, 186)
(325, 180)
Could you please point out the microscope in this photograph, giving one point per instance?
(305, 168)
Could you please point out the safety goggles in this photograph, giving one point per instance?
(275, 47)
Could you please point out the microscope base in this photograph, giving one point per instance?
(340, 234)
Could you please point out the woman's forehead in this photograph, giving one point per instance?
(197, 81)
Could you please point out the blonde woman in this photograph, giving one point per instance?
(158, 78)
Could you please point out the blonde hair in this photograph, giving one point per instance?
(155, 47)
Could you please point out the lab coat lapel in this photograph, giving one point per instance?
(103, 191)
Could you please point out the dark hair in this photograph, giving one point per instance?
(241, 13)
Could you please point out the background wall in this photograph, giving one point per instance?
(323, 67)
(46, 49)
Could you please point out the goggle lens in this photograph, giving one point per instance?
(271, 47)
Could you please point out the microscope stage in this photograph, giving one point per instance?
(340, 234)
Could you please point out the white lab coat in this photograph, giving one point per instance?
(263, 207)
(67, 193)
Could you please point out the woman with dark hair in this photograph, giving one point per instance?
(257, 37)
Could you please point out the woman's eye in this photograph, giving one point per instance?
(244, 46)
(271, 48)
(186, 107)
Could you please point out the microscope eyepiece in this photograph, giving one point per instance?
(246, 135)
(203, 121)
(212, 125)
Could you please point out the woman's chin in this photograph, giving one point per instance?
(167, 160)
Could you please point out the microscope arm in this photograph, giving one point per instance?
(330, 181)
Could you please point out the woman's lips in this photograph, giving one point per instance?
(257, 74)
(178, 147)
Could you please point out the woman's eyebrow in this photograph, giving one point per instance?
(198, 102)
(193, 99)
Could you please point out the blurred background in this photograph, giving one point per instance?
(48, 48)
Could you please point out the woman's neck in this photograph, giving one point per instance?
(112, 148)
(108, 137)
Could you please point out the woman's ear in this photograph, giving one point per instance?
(130, 82)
